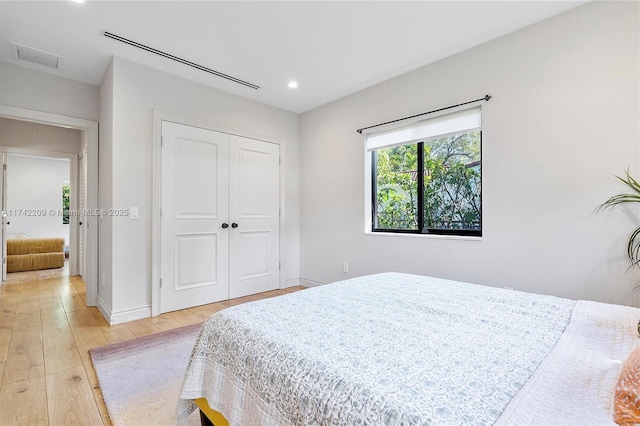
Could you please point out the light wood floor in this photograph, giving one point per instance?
(46, 331)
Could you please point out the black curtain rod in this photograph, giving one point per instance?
(486, 98)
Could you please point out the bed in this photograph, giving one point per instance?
(399, 349)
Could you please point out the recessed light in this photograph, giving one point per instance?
(78, 1)
(292, 85)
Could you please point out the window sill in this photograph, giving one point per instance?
(428, 236)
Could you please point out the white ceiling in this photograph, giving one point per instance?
(332, 49)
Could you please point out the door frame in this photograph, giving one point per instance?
(156, 191)
(3, 200)
(81, 205)
(89, 131)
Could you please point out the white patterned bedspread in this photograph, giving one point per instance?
(574, 385)
(386, 349)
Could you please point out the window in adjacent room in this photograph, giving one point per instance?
(66, 191)
(426, 177)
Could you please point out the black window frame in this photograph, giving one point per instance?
(420, 190)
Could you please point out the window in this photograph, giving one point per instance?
(426, 177)
(66, 189)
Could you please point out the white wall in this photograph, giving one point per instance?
(35, 184)
(563, 120)
(25, 134)
(31, 89)
(136, 91)
(105, 192)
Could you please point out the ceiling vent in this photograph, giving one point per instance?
(178, 59)
(36, 56)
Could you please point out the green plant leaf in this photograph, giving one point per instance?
(633, 247)
(633, 244)
(624, 198)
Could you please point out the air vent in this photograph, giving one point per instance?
(178, 59)
(35, 56)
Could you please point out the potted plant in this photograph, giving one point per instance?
(633, 245)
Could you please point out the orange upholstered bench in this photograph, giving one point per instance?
(31, 254)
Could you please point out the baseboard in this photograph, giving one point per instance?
(103, 308)
(309, 283)
(293, 282)
(130, 315)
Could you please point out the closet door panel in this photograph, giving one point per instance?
(195, 205)
(254, 243)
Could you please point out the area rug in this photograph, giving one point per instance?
(140, 379)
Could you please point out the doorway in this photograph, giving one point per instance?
(89, 135)
(38, 201)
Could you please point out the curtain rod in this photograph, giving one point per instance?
(486, 98)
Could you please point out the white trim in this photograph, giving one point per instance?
(28, 152)
(156, 222)
(103, 308)
(368, 220)
(210, 125)
(310, 283)
(90, 130)
(114, 318)
(129, 315)
(370, 233)
(292, 282)
(156, 189)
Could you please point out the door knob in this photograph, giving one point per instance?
(225, 225)
(79, 223)
(234, 225)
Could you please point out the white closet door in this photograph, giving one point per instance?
(195, 205)
(254, 212)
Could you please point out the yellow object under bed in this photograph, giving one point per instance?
(214, 417)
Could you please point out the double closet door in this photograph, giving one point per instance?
(220, 216)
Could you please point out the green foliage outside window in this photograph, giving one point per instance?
(65, 203)
(451, 175)
(397, 190)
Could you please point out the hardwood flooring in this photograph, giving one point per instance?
(46, 331)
